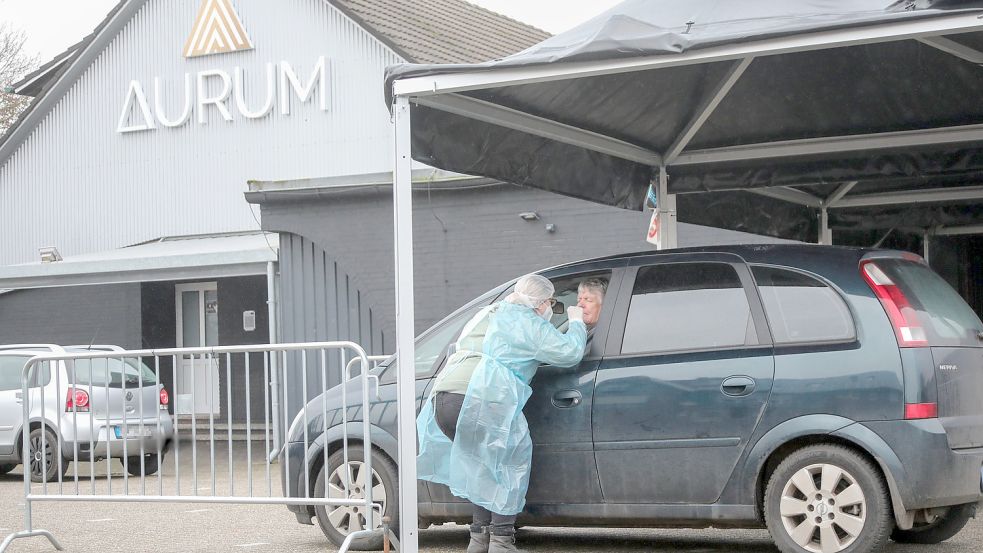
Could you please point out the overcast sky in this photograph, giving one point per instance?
(54, 25)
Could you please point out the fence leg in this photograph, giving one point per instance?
(30, 534)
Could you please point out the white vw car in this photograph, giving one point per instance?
(94, 408)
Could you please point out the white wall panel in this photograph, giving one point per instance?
(78, 184)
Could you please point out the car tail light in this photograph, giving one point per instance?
(921, 411)
(165, 398)
(77, 400)
(903, 317)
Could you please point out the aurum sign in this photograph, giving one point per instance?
(218, 29)
(218, 90)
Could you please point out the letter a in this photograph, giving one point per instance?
(136, 93)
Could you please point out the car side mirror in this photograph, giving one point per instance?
(559, 308)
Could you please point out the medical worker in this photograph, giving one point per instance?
(473, 435)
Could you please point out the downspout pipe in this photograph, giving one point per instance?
(274, 383)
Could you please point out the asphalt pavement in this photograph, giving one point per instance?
(137, 527)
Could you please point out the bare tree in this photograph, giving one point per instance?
(14, 64)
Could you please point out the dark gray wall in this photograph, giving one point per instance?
(466, 242)
(105, 314)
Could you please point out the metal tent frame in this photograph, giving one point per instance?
(444, 92)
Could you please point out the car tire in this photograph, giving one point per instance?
(150, 465)
(5, 469)
(336, 522)
(50, 462)
(939, 530)
(827, 495)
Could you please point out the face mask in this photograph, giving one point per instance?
(547, 315)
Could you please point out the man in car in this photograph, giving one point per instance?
(590, 298)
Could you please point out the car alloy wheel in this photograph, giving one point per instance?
(42, 464)
(823, 508)
(352, 519)
(331, 482)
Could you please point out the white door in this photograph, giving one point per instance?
(197, 326)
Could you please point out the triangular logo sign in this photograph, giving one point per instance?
(217, 30)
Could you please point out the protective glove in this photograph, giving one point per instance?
(575, 313)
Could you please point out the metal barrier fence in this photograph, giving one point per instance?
(111, 405)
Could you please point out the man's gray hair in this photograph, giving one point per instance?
(593, 285)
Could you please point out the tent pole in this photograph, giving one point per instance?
(405, 334)
(926, 238)
(667, 212)
(825, 233)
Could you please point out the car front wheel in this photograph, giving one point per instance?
(4, 469)
(827, 499)
(333, 482)
(940, 528)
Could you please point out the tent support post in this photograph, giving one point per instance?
(926, 239)
(405, 334)
(667, 212)
(825, 233)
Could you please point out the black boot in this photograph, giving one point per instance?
(479, 540)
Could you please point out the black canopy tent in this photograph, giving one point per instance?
(782, 117)
(848, 107)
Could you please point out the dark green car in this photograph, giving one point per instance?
(832, 395)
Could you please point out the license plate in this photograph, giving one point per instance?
(132, 432)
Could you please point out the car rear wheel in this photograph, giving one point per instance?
(827, 499)
(338, 522)
(939, 528)
(150, 465)
(4, 469)
(43, 464)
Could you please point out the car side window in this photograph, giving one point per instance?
(11, 368)
(687, 306)
(801, 308)
(567, 293)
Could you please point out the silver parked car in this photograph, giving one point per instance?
(94, 408)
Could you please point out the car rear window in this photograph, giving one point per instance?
(801, 308)
(687, 306)
(945, 316)
(111, 373)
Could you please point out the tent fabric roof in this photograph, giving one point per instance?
(170, 258)
(727, 95)
(442, 31)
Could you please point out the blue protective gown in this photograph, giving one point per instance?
(489, 461)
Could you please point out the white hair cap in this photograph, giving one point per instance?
(531, 290)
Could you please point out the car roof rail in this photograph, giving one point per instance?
(54, 348)
(96, 347)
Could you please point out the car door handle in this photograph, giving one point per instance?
(565, 399)
(737, 386)
(19, 397)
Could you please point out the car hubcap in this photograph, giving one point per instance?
(352, 519)
(823, 508)
(38, 466)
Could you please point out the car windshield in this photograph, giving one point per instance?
(113, 373)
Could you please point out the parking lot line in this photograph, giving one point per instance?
(101, 520)
(198, 511)
(257, 544)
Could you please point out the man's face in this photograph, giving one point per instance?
(590, 302)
